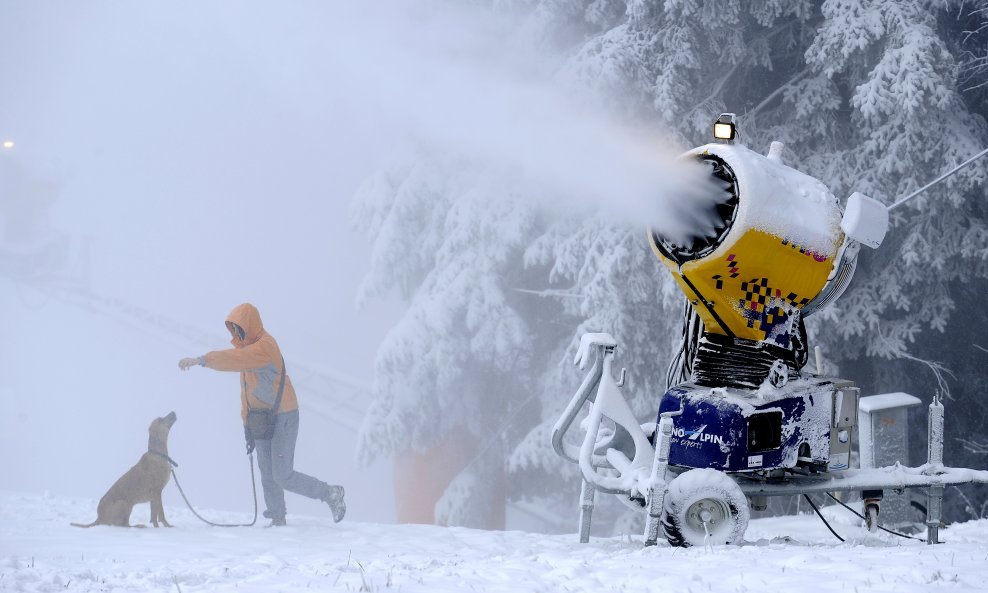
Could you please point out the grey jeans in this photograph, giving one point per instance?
(276, 460)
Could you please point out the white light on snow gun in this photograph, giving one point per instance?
(725, 128)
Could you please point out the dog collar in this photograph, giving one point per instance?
(160, 454)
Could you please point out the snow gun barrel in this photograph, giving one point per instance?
(776, 245)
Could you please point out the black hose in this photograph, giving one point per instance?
(681, 366)
(818, 514)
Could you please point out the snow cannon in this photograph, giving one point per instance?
(780, 248)
(743, 417)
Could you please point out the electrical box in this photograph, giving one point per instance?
(884, 441)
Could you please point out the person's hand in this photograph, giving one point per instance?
(185, 363)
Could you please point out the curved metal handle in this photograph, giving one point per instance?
(610, 403)
(587, 389)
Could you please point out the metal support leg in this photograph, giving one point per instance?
(934, 501)
(586, 510)
(657, 489)
(654, 518)
(934, 513)
(759, 503)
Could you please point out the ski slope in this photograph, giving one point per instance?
(39, 551)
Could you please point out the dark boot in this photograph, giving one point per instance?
(275, 521)
(334, 498)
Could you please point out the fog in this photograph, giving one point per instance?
(205, 155)
(199, 167)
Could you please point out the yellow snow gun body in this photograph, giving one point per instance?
(771, 253)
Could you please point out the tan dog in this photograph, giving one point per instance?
(142, 483)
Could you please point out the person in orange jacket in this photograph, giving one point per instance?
(256, 356)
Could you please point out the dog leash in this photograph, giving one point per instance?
(253, 485)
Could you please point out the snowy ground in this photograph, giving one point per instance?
(39, 551)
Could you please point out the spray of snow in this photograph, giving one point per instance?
(455, 83)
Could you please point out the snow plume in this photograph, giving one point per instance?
(459, 81)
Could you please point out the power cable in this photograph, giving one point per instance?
(819, 514)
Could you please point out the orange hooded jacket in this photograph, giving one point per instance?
(259, 361)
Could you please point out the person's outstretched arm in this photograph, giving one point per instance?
(234, 359)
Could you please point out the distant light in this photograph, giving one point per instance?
(8, 144)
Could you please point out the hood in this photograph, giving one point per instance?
(247, 317)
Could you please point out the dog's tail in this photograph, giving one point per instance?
(84, 526)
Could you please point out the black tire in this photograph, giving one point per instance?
(704, 494)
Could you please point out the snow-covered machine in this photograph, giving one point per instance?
(744, 417)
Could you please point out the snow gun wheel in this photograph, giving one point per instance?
(871, 517)
(704, 506)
